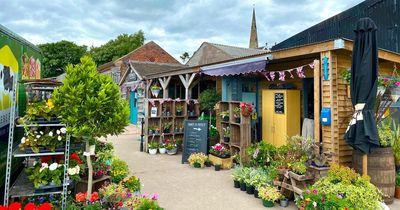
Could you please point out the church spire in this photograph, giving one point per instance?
(253, 33)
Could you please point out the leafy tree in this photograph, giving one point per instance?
(117, 48)
(57, 55)
(208, 99)
(185, 56)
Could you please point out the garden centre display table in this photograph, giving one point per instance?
(82, 185)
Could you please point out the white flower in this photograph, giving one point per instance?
(58, 132)
(27, 140)
(44, 166)
(72, 171)
(314, 204)
(59, 138)
(53, 166)
(77, 169)
(34, 139)
(38, 136)
(41, 132)
(51, 133)
(34, 163)
(23, 140)
(63, 130)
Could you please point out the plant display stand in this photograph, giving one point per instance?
(161, 112)
(299, 182)
(226, 163)
(82, 185)
(22, 187)
(240, 133)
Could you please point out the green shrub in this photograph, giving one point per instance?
(119, 170)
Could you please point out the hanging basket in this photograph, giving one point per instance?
(155, 92)
(395, 93)
(246, 113)
(140, 92)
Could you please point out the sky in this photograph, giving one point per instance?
(176, 25)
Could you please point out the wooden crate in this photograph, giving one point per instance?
(226, 163)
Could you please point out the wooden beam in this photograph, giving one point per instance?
(382, 54)
(186, 81)
(303, 50)
(317, 104)
(164, 84)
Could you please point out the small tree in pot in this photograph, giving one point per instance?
(91, 105)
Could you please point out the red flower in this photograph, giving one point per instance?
(14, 206)
(75, 156)
(45, 159)
(45, 206)
(3, 207)
(94, 197)
(30, 206)
(120, 204)
(80, 197)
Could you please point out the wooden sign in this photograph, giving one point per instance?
(279, 103)
(195, 138)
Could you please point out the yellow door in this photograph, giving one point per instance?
(267, 116)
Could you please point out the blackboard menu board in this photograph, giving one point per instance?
(195, 138)
(279, 103)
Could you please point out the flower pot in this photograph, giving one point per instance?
(162, 150)
(397, 192)
(168, 114)
(197, 165)
(167, 130)
(284, 202)
(155, 92)
(250, 189)
(225, 119)
(236, 184)
(256, 193)
(237, 120)
(152, 151)
(172, 151)
(178, 113)
(242, 186)
(268, 204)
(217, 167)
(226, 139)
(207, 164)
(191, 114)
(92, 149)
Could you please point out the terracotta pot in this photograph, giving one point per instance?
(397, 192)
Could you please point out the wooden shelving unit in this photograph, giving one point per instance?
(167, 113)
(240, 132)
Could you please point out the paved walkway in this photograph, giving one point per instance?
(181, 187)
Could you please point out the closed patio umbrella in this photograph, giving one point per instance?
(362, 133)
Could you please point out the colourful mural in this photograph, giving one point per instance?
(8, 75)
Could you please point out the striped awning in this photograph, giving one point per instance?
(235, 69)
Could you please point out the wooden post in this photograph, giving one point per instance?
(164, 84)
(365, 164)
(90, 169)
(317, 105)
(186, 81)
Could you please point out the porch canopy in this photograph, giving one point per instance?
(235, 68)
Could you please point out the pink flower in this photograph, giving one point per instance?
(145, 195)
(386, 79)
(154, 197)
(397, 84)
(315, 191)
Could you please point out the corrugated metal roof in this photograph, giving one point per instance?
(17, 37)
(385, 13)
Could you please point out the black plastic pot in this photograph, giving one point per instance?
(237, 120)
(250, 189)
(207, 164)
(226, 119)
(217, 167)
(243, 186)
(256, 193)
(178, 113)
(197, 165)
(167, 130)
(226, 139)
(236, 184)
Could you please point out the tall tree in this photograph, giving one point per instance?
(117, 48)
(185, 56)
(57, 55)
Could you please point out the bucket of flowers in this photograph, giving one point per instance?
(132, 183)
(171, 146)
(197, 160)
(269, 195)
(246, 108)
(220, 151)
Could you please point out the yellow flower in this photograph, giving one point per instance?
(308, 199)
(50, 103)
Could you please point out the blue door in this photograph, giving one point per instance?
(133, 107)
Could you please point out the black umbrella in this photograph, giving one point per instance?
(362, 133)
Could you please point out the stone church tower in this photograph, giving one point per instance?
(253, 33)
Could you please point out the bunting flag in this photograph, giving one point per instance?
(270, 76)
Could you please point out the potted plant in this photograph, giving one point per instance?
(153, 146)
(247, 109)
(237, 176)
(167, 127)
(227, 134)
(132, 183)
(225, 116)
(220, 151)
(155, 90)
(191, 107)
(283, 201)
(346, 76)
(83, 95)
(217, 167)
(269, 195)
(207, 163)
(179, 109)
(152, 129)
(158, 131)
(208, 98)
(236, 114)
(397, 190)
(197, 160)
(161, 148)
(213, 135)
(171, 146)
(245, 173)
(119, 170)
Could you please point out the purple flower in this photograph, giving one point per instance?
(307, 191)
(155, 197)
(145, 195)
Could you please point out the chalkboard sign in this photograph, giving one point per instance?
(279, 103)
(195, 138)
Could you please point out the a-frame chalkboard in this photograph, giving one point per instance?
(195, 138)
